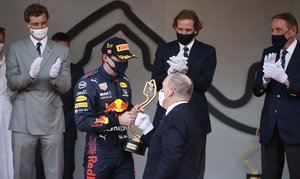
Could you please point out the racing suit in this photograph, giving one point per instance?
(99, 100)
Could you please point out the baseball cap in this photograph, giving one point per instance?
(117, 47)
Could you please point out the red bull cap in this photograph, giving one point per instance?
(117, 47)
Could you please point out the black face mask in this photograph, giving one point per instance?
(120, 67)
(185, 39)
(279, 41)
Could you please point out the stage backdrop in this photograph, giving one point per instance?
(239, 30)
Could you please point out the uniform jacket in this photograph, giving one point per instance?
(282, 104)
(201, 67)
(174, 151)
(99, 100)
(37, 108)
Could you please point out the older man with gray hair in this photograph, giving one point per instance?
(174, 147)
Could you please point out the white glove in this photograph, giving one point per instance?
(55, 69)
(177, 64)
(35, 67)
(275, 71)
(269, 60)
(143, 122)
(267, 74)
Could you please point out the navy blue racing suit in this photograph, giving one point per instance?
(99, 100)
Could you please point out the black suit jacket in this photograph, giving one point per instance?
(282, 104)
(175, 151)
(201, 67)
(68, 99)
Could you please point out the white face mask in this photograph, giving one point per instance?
(39, 33)
(1, 46)
(161, 98)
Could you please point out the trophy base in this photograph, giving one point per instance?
(254, 176)
(133, 146)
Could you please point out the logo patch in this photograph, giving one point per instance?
(103, 86)
(101, 120)
(91, 161)
(83, 92)
(81, 105)
(122, 47)
(94, 80)
(123, 85)
(125, 93)
(82, 84)
(118, 106)
(80, 98)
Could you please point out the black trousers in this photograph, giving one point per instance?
(273, 157)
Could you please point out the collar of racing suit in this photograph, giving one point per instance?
(107, 75)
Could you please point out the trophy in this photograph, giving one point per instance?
(255, 174)
(135, 144)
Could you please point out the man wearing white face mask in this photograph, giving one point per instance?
(39, 71)
(175, 148)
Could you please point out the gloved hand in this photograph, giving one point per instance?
(275, 71)
(35, 67)
(269, 60)
(177, 64)
(267, 76)
(171, 69)
(143, 122)
(55, 68)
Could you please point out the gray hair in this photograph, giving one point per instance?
(183, 85)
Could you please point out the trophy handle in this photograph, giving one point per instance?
(250, 165)
(150, 92)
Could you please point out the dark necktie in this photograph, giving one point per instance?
(162, 118)
(284, 52)
(38, 47)
(185, 52)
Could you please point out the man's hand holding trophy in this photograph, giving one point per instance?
(142, 121)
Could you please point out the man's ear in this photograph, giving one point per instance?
(196, 32)
(28, 25)
(172, 90)
(294, 30)
(104, 57)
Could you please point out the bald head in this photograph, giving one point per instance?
(183, 86)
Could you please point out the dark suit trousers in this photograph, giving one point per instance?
(273, 157)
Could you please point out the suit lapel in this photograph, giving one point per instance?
(294, 62)
(174, 50)
(47, 53)
(194, 53)
(31, 49)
